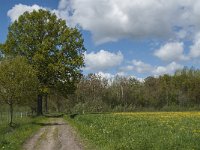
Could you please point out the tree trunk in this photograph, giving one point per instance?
(122, 93)
(11, 115)
(39, 105)
(46, 103)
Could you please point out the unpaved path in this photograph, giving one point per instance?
(54, 135)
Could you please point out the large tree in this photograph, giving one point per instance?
(54, 50)
(18, 81)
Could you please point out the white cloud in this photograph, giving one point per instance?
(110, 20)
(19, 9)
(63, 4)
(182, 34)
(195, 48)
(111, 77)
(102, 60)
(171, 52)
(140, 66)
(105, 75)
(121, 73)
(169, 69)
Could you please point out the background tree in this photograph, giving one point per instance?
(18, 81)
(166, 92)
(53, 49)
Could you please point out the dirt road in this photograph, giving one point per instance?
(54, 135)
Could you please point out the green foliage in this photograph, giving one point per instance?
(124, 131)
(18, 82)
(94, 106)
(180, 91)
(53, 49)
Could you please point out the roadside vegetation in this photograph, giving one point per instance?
(12, 138)
(145, 130)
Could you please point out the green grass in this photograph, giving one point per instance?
(140, 131)
(12, 138)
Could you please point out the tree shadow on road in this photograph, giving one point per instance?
(49, 124)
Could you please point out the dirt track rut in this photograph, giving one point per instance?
(54, 135)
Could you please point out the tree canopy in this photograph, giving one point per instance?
(18, 81)
(55, 50)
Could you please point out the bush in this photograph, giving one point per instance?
(90, 107)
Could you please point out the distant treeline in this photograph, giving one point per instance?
(166, 92)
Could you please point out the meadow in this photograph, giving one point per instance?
(142, 130)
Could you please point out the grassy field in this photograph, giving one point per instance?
(12, 138)
(140, 131)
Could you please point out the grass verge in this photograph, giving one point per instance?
(12, 138)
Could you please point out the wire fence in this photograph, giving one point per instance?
(17, 116)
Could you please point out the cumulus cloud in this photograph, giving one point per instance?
(110, 20)
(102, 60)
(140, 66)
(171, 52)
(195, 48)
(169, 69)
(19, 9)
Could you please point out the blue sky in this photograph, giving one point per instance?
(133, 38)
